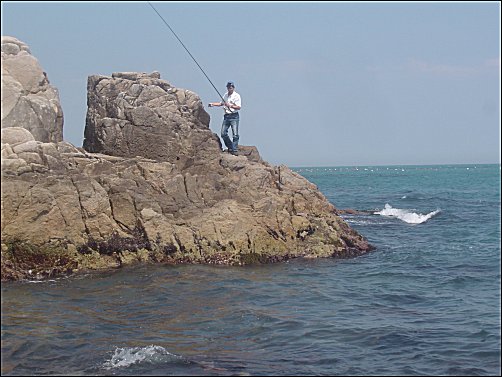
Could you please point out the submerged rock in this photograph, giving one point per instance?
(152, 185)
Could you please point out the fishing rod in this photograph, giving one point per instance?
(170, 28)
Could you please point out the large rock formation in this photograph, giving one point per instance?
(152, 184)
(133, 114)
(27, 97)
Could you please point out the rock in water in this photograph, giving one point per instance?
(152, 185)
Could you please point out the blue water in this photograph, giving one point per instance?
(425, 302)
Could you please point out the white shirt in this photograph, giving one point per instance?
(233, 99)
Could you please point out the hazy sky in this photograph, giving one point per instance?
(322, 84)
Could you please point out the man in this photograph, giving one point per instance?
(231, 105)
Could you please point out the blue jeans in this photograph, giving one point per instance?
(230, 120)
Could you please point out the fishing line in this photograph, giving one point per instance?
(170, 28)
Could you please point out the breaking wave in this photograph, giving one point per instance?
(406, 215)
(124, 357)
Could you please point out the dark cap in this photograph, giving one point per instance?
(230, 83)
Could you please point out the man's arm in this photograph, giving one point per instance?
(227, 104)
(232, 106)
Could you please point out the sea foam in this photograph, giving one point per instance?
(124, 357)
(406, 215)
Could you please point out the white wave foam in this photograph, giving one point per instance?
(124, 357)
(405, 215)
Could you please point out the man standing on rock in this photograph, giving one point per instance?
(231, 106)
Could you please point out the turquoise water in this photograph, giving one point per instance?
(425, 302)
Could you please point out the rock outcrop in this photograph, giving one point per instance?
(27, 97)
(133, 114)
(152, 184)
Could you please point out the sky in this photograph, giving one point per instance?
(322, 83)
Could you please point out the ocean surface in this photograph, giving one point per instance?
(425, 302)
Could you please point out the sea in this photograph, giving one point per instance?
(426, 301)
